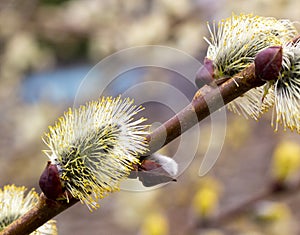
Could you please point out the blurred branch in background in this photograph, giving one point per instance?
(284, 182)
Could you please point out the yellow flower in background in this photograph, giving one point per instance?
(275, 218)
(93, 147)
(286, 160)
(14, 203)
(272, 211)
(206, 199)
(155, 224)
(234, 45)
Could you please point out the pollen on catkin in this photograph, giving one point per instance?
(286, 109)
(95, 146)
(14, 203)
(233, 45)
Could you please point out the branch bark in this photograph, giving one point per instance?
(207, 100)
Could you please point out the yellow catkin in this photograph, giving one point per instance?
(94, 147)
(234, 45)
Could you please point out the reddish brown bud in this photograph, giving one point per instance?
(151, 173)
(148, 165)
(50, 182)
(268, 63)
(205, 74)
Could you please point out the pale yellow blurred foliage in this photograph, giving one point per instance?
(12, 19)
(275, 218)
(149, 30)
(22, 52)
(188, 36)
(179, 8)
(135, 205)
(206, 199)
(278, 8)
(286, 160)
(155, 223)
(240, 131)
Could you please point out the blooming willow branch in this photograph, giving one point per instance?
(73, 171)
(236, 43)
(174, 127)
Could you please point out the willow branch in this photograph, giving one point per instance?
(206, 100)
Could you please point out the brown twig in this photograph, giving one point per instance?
(207, 100)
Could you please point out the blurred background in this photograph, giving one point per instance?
(46, 49)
